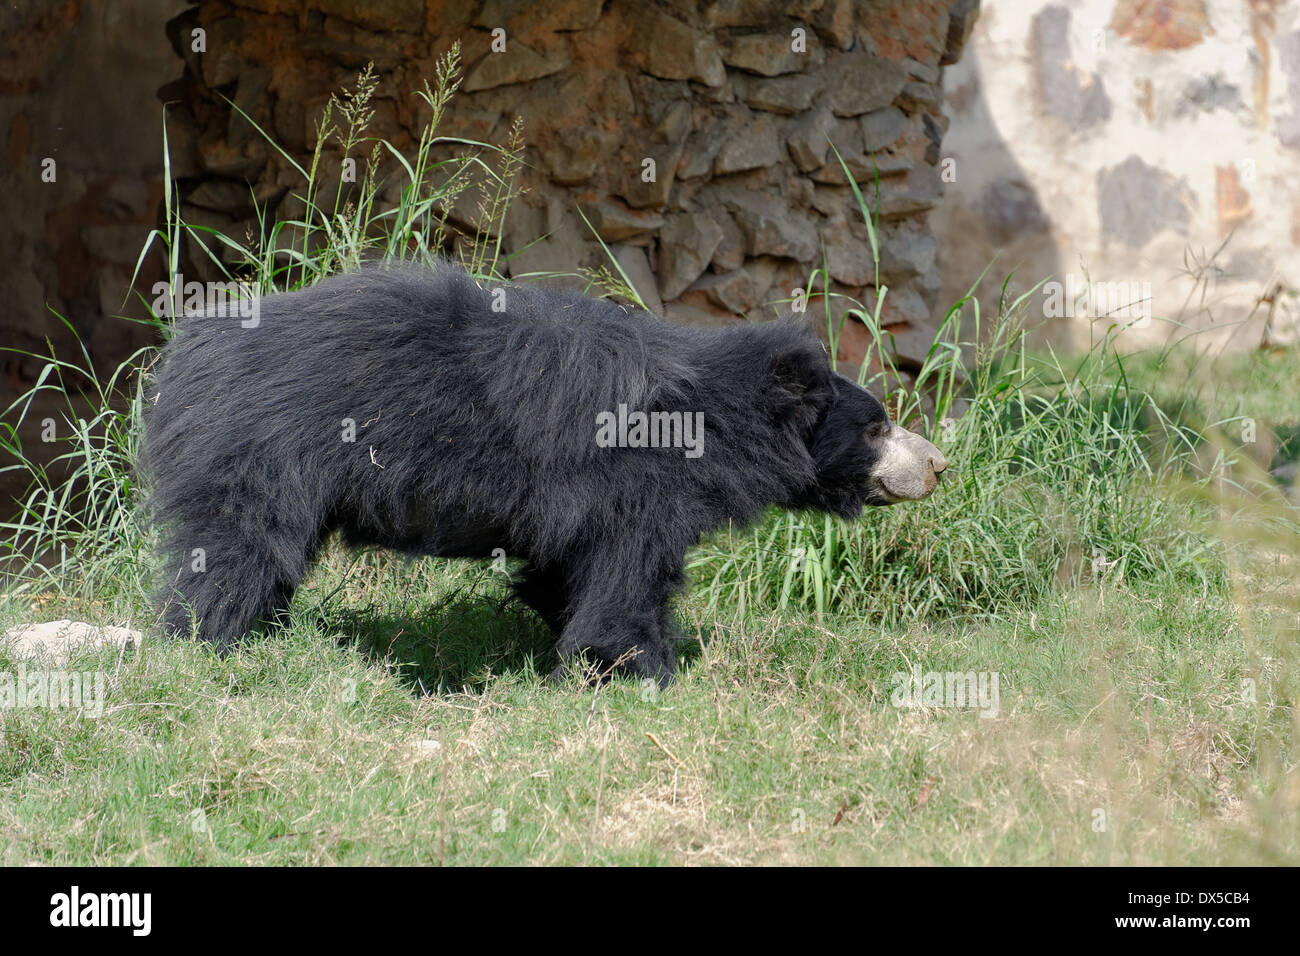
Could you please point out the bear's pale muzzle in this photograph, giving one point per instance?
(909, 466)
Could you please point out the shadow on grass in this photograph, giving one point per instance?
(454, 646)
(459, 645)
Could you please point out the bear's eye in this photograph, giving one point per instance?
(875, 431)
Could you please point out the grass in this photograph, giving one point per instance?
(351, 737)
(1055, 474)
(1110, 544)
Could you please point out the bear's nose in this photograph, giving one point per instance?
(938, 463)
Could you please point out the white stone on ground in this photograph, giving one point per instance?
(57, 641)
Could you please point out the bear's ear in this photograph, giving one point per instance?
(799, 374)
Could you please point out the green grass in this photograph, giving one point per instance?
(313, 746)
(1109, 542)
(399, 717)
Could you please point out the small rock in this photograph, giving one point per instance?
(846, 138)
(391, 15)
(905, 316)
(834, 20)
(753, 146)
(798, 190)
(572, 157)
(770, 228)
(642, 194)
(524, 18)
(858, 83)
(686, 244)
(863, 168)
(833, 201)
(787, 95)
(221, 195)
(882, 128)
(806, 139)
(220, 158)
(919, 190)
(770, 54)
(915, 97)
(516, 64)
(961, 21)
(566, 244)
(653, 98)
(848, 258)
(615, 222)
(700, 151)
(673, 125)
(922, 71)
(634, 261)
(934, 136)
(744, 13)
(739, 290)
(667, 48)
(905, 255)
(730, 254)
(222, 62)
(58, 641)
(929, 284)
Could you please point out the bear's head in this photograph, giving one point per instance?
(861, 458)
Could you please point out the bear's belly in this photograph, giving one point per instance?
(446, 538)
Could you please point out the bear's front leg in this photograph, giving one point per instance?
(619, 618)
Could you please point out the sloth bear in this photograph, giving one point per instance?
(410, 408)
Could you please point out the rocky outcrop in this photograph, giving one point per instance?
(698, 140)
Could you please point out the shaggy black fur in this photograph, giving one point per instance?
(476, 430)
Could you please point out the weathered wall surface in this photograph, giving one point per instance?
(78, 85)
(734, 102)
(1126, 141)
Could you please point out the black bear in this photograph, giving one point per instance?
(410, 408)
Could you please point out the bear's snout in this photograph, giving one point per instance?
(909, 466)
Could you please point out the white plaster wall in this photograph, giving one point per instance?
(1006, 128)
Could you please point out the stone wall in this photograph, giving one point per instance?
(78, 83)
(734, 102)
(81, 185)
(1149, 145)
